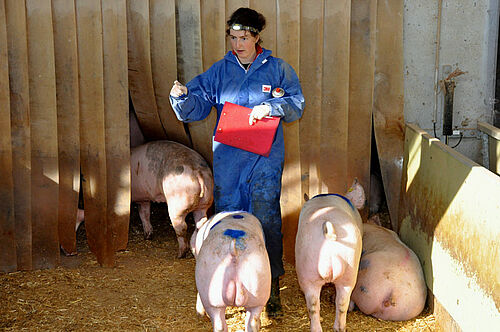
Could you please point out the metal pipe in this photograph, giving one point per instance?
(436, 62)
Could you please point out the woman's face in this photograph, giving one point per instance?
(243, 43)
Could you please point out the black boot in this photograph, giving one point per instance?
(273, 306)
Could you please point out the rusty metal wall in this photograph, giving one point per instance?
(348, 55)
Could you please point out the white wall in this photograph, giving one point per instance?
(469, 35)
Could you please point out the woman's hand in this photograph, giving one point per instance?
(178, 89)
(258, 113)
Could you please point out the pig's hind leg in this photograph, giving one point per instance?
(312, 293)
(252, 319)
(200, 309)
(178, 215)
(218, 317)
(144, 214)
(342, 300)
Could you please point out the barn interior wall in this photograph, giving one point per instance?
(468, 41)
(347, 54)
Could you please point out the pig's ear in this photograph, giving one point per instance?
(306, 197)
(356, 195)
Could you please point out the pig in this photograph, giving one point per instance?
(166, 171)
(232, 268)
(327, 250)
(391, 284)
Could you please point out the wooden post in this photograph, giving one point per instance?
(8, 259)
(21, 134)
(68, 119)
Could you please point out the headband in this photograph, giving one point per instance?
(238, 27)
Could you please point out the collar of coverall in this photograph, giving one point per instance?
(258, 50)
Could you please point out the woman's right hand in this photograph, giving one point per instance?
(178, 89)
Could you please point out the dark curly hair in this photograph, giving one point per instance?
(248, 17)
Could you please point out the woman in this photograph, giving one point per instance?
(248, 76)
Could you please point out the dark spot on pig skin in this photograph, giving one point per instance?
(179, 170)
(167, 157)
(363, 289)
(389, 301)
(364, 264)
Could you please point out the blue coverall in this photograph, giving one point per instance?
(244, 180)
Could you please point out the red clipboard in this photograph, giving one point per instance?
(233, 129)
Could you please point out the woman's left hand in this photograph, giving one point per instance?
(258, 113)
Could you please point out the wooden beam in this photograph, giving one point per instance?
(361, 81)
(68, 118)
(288, 48)
(311, 76)
(92, 129)
(116, 118)
(388, 100)
(21, 133)
(164, 66)
(8, 259)
(335, 98)
(140, 70)
(190, 60)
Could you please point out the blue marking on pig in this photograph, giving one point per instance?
(234, 233)
(238, 216)
(238, 235)
(344, 198)
(363, 289)
(364, 264)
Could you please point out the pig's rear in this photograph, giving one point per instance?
(237, 267)
(327, 250)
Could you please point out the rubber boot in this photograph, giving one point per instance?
(273, 306)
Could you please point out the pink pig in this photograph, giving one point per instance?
(391, 283)
(232, 268)
(327, 250)
(165, 171)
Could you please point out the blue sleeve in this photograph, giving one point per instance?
(291, 106)
(198, 102)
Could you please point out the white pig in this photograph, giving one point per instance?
(391, 283)
(166, 171)
(232, 268)
(327, 250)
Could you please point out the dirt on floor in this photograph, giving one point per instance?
(150, 290)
